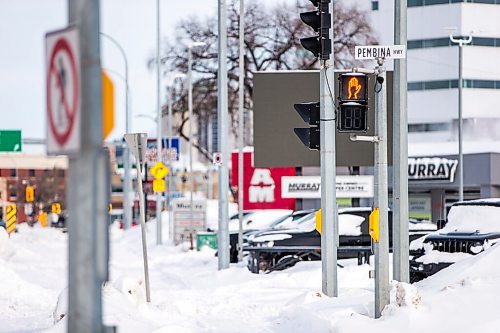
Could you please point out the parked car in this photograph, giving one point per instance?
(471, 228)
(281, 222)
(279, 249)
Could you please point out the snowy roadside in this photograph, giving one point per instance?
(190, 295)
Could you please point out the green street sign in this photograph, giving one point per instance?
(10, 140)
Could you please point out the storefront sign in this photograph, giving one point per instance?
(309, 187)
(261, 186)
(432, 169)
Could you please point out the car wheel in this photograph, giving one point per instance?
(286, 262)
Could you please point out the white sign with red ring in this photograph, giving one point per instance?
(217, 159)
(63, 96)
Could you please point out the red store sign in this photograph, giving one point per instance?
(262, 186)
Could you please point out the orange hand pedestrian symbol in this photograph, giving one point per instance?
(354, 88)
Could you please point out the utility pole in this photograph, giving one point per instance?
(88, 189)
(158, 123)
(400, 244)
(222, 131)
(381, 192)
(329, 236)
(241, 105)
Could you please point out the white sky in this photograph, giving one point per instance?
(23, 24)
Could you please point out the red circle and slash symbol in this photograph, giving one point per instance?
(69, 108)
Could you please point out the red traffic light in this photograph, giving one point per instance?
(353, 88)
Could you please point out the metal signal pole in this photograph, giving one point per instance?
(241, 105)
(381, 193)
(329, 236)
(222, 131)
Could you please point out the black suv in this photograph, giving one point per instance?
(471, 228)
(280, 249)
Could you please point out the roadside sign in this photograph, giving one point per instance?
(137, 142)
(159, 170)
(380, 51)
(63, 91)
(108, 105)
(56, 208)
(30, 194)
(159, 185)
(173, 148)
(42, 218)
(217, 159)
(187, 222)
(10, 140)
(11, 218)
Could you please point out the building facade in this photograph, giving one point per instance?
(48, 176)
(433, 65)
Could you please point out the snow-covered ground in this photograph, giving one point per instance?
(189, 294)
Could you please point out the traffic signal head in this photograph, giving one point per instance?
(353, 103)
(309, 137)
(309, 112)
(353, 88)
(320, 21)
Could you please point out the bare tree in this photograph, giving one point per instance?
(272, 42)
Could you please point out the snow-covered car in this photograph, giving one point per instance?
(282, 248)
(471, 228)
(279, 223)
(253, 220)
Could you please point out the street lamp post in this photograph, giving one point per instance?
(127, 207)
(158, 123)
(461, 42)
(190, 106)
(169, 136)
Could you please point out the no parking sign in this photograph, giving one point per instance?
(63, 91)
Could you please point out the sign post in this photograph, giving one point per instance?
(74, 84)
(137, 142)
(379, 222)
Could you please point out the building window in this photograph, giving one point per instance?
(421, 3)
(429, 127)
(13, 173)
(445, 41)
(451, 84)
(31, 172)
(12, 191)
(374, 5)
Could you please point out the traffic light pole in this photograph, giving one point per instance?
(222, 126)
(381, 193)
(329, 236)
